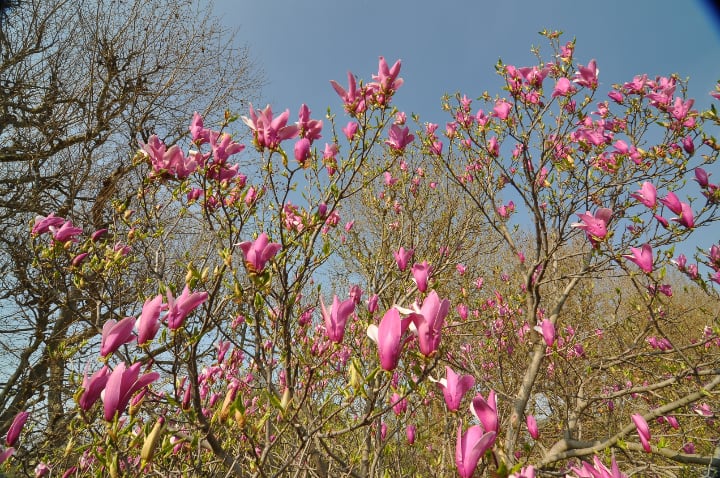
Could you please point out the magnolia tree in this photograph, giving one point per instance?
(504, 298)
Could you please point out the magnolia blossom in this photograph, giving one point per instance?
(258, 252)
(643, 431)
(421, 273)
(647, 195)
(402, 257)
(470, 448)
(388, 337)
(399, 138)
(643, 257)
(16, 427)
(92, 388)
(336, 318)
(454, 387)
(486, 411)
(115, 334)
(148, 323)
(268, 132)
(595, 227)
(179, 308)
(532, 427)
(121, 385)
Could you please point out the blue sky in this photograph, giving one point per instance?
(453, 46)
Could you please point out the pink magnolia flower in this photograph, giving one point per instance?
(402, 257)
(595, 227)
(502, 109)
(486, 411)
(387, 78)
(121, 386)
(470, 448)
(148, 323)
(16, 427)
(6, 454)
(429, 321)
(421, 273)
(355, 294)
(688, 145)
(336, 318)
(686, 218)
(93, 387)
(643, 431)
(643, 257)
(532, 427)
(672, 202)
(702, 177)
(168, 161)
(398, 403)
(547, 330)
(647, 195)
(43, 224)
(352, 98)
(410, 432)
(399, 138)
(598, 470)
(308, 129)
(66, 232)
(258, 252)
(388, 337)
(372, 303)
(563, 87)
(268, 132)
(350, 130)
(115, 334)
(302, 151)
(587, 75)
(178, 309)
(41, 469)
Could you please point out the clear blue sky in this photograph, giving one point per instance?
(448, 46)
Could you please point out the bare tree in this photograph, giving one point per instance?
(81, 82)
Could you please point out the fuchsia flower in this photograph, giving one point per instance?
(350, 130)
(486, 411)
(258, 252)
(302, 151)
(168, 161)
(6, 454)
(178, 309)
(308, 129)
(686, 218)
(268, 132)
(387, 79)
(598, 470)
(547, 330)
(532, 427)
(643, 257)
(595, 227)
(121, 386)
(16, 427)
(337, 317)
(563, 87)
(148, 323)
(66, 232)
(502, 109)
(115, 334)
(43, 224)
(388, 337)
(672, 202)
(410, 432)
(470, 448)
(429, 320)
(643, 431)
(352, 98)
(421, 273)
(399, 138)
(702, 177)
(93, 387)
(454, 387)
(402, 257)
(647, 195)
(587, 75)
